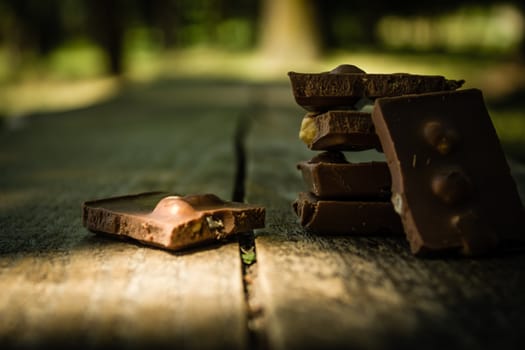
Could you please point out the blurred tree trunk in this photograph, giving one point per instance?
(289, 31)
(107, 25)
(521, 6)
(162, 15)
(32, 25)
(369, 21)
(167, 18)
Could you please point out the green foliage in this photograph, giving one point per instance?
(76, 59)
(248, 255)
(235, 34)
(489, 29)
(510, 125)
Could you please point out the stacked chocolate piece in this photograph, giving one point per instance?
(431, 186)
(346, 197)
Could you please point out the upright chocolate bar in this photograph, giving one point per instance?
(336, 90)
(450, 181)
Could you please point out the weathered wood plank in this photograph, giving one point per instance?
(62, 285)
(365, 292)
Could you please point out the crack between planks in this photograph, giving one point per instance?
(243, 125)
(247, 251)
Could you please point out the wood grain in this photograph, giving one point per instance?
(64, 286)
(366, 292)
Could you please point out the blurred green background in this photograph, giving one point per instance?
(62, 54)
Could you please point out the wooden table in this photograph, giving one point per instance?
(64, 286)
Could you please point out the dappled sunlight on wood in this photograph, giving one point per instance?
(102, 287)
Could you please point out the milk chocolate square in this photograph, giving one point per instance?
(171, 221)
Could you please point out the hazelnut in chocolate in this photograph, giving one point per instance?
(342, 130)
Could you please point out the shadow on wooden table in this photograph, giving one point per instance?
(64, 286)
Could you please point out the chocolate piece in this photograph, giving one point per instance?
(450, 181)
(339, 130)
(324, 91)
(330, 175)
(170, 221)
(346, 217)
